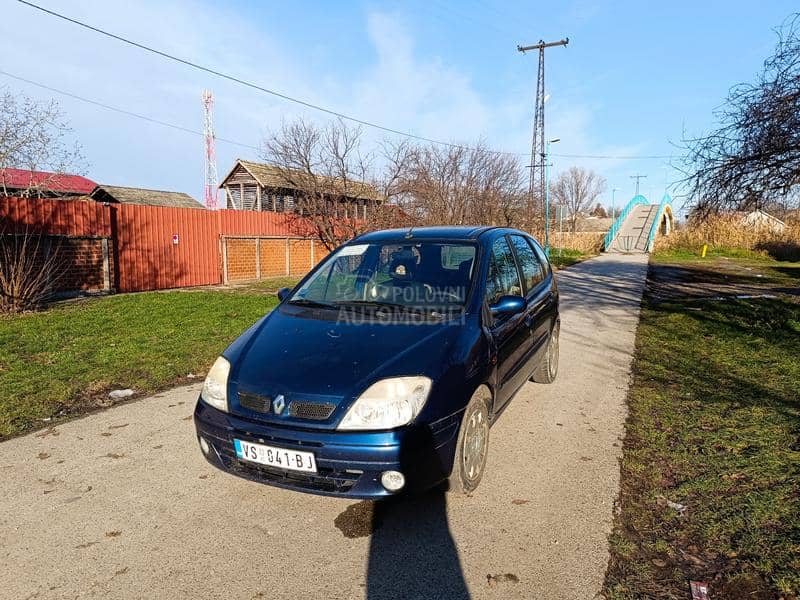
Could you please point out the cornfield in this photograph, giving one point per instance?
(728, 232)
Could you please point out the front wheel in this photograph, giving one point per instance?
(547, 371)
(472, 446)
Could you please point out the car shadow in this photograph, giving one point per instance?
(412, 553)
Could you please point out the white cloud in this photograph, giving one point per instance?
(395, 86)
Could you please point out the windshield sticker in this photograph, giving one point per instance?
(356, 250)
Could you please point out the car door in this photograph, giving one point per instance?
(537, 295)
(510, 334)
(547, 302)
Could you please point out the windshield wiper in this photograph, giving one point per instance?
(311, 303)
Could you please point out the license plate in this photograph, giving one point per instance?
(282, 458)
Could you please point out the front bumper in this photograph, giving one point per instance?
(349, 463)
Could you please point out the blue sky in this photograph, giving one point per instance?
(634, 77)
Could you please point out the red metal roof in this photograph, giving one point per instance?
(22, 179)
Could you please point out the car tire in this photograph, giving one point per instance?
(547, 371)
(472, 446)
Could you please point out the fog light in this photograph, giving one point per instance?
(393, 480)
(204, 445)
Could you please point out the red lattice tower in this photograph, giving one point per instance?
(212, 188)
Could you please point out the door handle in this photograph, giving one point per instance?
(528, 320)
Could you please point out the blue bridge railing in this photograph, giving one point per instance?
(612, 233)
(651, 238)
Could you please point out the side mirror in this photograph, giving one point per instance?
(283, 293)
(507, 305)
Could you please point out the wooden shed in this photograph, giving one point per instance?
(264, 187)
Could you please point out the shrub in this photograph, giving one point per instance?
(30, 267)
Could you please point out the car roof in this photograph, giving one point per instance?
(449, 232)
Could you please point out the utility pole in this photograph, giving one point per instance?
(547, 196)
(637, 177)
(538, 154)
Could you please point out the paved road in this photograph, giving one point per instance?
(120, 504)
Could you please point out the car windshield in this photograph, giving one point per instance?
(426, 275)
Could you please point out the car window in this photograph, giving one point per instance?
(454, 257)
(414, 274)
(532, 270)
(503, 278)
(336, 280)
(542, 257)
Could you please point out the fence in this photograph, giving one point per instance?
(148, 247)
(255, 257)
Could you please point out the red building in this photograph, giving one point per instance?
(41, 184)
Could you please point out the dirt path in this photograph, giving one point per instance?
(120, 504)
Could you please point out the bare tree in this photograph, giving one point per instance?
(330, 179)
(753, 158)
(35, 136)
(577, 189)
(333, 180)
(456, 185)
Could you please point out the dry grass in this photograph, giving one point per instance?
(727, 232)
(586, 242)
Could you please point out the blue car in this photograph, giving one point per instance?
(382, 371)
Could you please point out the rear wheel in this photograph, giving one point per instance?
(547, 371)
(472, 446)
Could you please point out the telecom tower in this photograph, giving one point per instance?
(538, 159)
(212, 189)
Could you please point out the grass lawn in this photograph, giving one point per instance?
(65, 360)
(713, 426)
(270, 285)
(567, 257)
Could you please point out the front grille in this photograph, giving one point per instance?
(325, 480)
(255, 402)
(316, 411)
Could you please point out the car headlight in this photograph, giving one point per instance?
(215, 388)
(388, 403)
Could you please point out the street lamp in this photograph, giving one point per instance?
(613, 204)
(547, 195)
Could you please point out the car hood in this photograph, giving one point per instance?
(305, 357)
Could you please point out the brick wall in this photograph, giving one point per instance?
(299, 257)
(241, 258)
(320, 251)
(272, 256)
(76, 264)
(81, 265)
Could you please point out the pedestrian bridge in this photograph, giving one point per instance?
(638, 225)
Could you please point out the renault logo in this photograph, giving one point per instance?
(278, 404)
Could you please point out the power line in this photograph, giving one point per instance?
(273, 93)
(155, 121)
(615, 157)
(122, 110)
(243, 82)
(251, 147)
